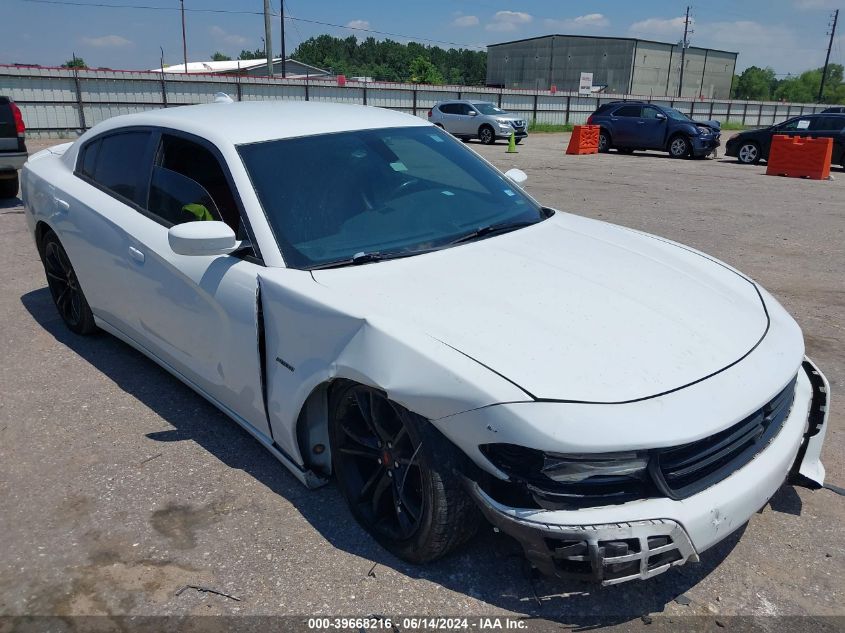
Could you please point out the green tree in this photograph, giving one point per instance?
(805, 87)
(258, 53)
(755, 84)
(424, 72)
(220, 57)
(76, 62)
(388, 60)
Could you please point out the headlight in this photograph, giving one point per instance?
(557, 481)
(503, 122)
(577, 468)
(704, 130)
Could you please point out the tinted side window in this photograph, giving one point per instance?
(88, 162)
(449, 108)
(176, 198)
(466, 109)
(797, 124)
(650, 112)
(120, 164)
(828, 124)
(628, 111)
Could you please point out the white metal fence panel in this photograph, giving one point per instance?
(59, 101)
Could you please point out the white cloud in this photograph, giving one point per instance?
(228, 38)
(660, 28)
(465, 20)
(582, 22)
(504, 21)
(816, 4)
(107, 41)
(358, 24)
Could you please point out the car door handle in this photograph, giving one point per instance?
(137, 255)
(61, 205)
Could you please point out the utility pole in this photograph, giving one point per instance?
(184, 39)
(827, 59)
(268, 38)
(282, 20)
(684, 45)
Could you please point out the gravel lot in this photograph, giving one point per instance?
(119, 486)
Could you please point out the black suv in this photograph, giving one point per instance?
(637, 125)
(12, 147)
(753, 145)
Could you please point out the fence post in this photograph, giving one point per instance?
(712, 103)
(535, 107)
(500, 96)
(568, 102)
(163, 89)
(238, 87)
(759, 113)
(744, 112)
(306, 87)
(728, 115)
(415, 101)
(365, 94)
(79, 99)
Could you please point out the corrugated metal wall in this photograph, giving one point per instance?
(60, 102)
(559, 60)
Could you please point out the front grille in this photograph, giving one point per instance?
(676, 472)
(682, 471)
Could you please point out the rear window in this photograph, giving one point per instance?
(628, 111)
(117, 162)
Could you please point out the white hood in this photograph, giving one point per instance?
(571, 309)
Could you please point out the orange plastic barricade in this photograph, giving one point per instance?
(584, 140)
(799, 157)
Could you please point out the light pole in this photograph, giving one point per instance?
(184, 38)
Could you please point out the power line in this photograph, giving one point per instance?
(104, 5)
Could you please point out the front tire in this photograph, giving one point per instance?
(64, 287)
(517, 140)
(398, 474)
(486, 135)
(749, 153)
(679, 147)
(9, 186)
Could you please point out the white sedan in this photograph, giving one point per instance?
(372, 300)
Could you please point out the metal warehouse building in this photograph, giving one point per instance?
(619, 65)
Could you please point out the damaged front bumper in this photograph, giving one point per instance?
(643, 538)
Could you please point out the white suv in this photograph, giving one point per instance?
(477, 119)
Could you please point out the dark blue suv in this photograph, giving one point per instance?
(637, 125)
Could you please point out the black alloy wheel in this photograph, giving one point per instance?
(64, 287)
(415, 506)
(487, 135)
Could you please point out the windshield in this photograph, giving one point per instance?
(488, 108)
(332, 197)
(672, 113)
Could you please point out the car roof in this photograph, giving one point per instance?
(254, 121)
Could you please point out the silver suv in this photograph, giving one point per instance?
(477, 119)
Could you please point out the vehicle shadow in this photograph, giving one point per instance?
(11, 203)
(491, 568)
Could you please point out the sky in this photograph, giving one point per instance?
(788, 35)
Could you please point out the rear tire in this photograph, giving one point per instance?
(486, 135)
(9, 186)
(64, 287)
(399, 475)
(604, 142)
(679, 147)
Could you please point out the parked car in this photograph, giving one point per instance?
(636, 125)
(751, 146)
(834, 110)
(477, 119)
(13, 152)
(389, 309)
